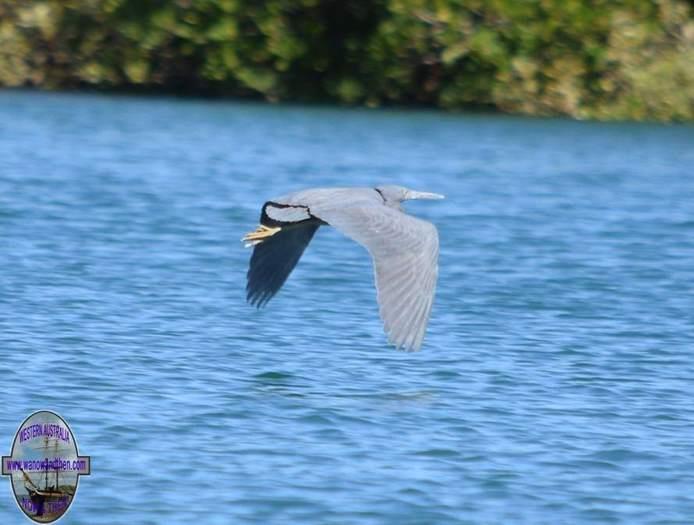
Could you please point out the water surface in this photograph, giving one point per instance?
(556, 380)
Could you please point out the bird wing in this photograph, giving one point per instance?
(274, 259)
(405, 254)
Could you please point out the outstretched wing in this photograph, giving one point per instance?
(274, 259)
(405, 254)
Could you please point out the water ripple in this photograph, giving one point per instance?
(554, 385)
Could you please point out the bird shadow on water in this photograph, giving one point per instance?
(277, 382)
(316, 394)
(387, 383)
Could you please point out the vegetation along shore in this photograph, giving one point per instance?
(598, 59)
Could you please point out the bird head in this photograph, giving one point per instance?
(394, 195)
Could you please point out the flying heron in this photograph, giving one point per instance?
(404, 249)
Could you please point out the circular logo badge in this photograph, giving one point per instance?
(44, 466)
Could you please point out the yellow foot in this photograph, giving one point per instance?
(259, 235)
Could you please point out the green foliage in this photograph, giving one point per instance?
(626, 59)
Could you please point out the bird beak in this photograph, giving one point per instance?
(424, 195)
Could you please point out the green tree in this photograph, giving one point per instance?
(583, 58)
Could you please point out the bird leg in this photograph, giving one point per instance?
(259, 235)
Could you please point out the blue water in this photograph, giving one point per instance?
(555, 384)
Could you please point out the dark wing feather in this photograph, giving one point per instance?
(274, 259)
